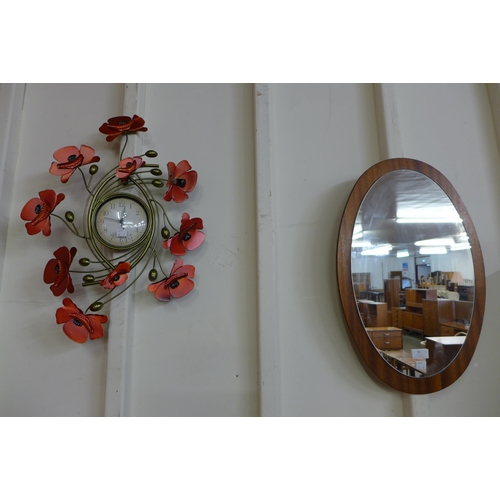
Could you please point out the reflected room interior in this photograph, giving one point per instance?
(412, 273)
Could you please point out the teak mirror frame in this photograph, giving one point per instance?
(381, 368)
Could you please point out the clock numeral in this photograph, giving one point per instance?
(112, 206)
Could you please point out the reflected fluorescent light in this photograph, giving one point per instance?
(435, 242)
(358, 231)
(425, 220)
(459, 246)
(424, 216)
(403, 253)
(361, 244)
(432, 250)
(380, 250)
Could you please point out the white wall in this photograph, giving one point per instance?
(199, 355)
(42, 373)
(325, 138)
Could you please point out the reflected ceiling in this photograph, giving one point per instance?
(403, 193)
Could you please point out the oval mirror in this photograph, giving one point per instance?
(411, 276)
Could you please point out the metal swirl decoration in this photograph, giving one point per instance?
(124, 226)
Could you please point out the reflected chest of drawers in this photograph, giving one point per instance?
(386, 337)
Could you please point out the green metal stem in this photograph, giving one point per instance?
(166, 216)
(69, 227)
(124, 146)
(85, 181)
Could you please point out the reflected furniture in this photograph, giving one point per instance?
(373, 313)
(404, 363)
(442, 351)
(361, 283)
(392, 289)
(466, 292)
(374, 294)
(386, 337)
(412, 315)
(446, 317)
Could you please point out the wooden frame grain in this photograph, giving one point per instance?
(381, 368)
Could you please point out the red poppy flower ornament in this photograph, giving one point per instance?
(79, 326)
(189, 236)
(69, 158)
(37, 211)
(119, 125)
(128, 166)
(181, 180)
(117, 276)
(57, 271)
(123, 212)
(176, 285)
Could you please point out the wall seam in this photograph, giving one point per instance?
(121, 315)
(391, 146)
(267, 300)
(11, 109)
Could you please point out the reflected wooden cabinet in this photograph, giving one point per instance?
(392, 288)
(434, 311)
(386, 338)
(446, 317)
(397, 317)
(466, 292)
(413, 316)
(373, 313)
(361, 283)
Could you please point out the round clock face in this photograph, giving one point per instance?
(121, 222)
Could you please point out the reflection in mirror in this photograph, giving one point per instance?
(412, 273)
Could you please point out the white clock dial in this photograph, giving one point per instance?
(121, 222)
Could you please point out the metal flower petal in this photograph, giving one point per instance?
(37, 211)
(128, 166)
(189, 236)
(176, 285)
(69, 158)
(181, 180)
(57, 271)
(117, 276)
(79, 326)
(118, 125)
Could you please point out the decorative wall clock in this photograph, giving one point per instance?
(124, 227)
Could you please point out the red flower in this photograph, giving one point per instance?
(120, 124)
(189, 236)
(38, 211)
(69, 158)
(129, 166)
(181, 180)
(78, 326)
(176, 285)
(117, 276)
(57, 271)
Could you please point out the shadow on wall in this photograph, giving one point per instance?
(329, 330)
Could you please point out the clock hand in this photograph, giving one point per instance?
(123, 216)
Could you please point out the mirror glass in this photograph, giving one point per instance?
(412, 273)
